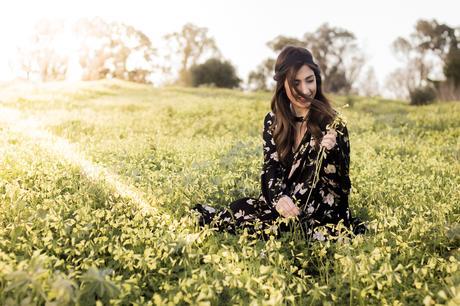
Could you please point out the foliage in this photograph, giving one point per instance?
(432, 44)
(67, 238)
(192, 44)
(215, 71)
(107, 49)
(422, 95)
(334, 50)
(102, 49)
(41, 56)
(259, 79)
(452, 66)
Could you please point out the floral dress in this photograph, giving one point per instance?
(322, 194)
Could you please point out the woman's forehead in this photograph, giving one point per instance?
(304, 72)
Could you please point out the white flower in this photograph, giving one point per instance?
(318, 236)
(209, 209)
(274, 156)
(270, 183)
(239, 214)
(302, 191)
(263, 254)
(298, 187)
(329, 199)
(295, 166)
(330, 169)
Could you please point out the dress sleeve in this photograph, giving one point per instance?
(335, 184)
(273, 176)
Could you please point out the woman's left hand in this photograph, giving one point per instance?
(329, 140)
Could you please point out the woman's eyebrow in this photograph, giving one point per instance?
(305, 77)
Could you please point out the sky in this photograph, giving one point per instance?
(241, 28)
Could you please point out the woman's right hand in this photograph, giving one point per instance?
(286, 207)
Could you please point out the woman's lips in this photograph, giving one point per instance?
(303, 100)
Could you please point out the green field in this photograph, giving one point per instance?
(97, 181)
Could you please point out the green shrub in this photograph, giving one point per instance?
(216, 72)
(422, 95)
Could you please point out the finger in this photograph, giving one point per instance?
(292, 212)
(293, 208)
(288, 212)
(283, 211)
(295, 212)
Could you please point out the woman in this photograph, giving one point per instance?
(305, 175)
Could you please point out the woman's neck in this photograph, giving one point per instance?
(302, 113)
(299, 112)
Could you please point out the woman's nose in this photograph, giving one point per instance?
(304, 89)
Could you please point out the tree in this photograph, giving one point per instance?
(41, 57)
(431, 45)
(279, 42)
(259, 78)
(114, 50)
(414, 57)
(334, 50)
(338, 56)
(191, 44)
(368, 85)
(401, 81)
(452, 66)
(431, 35)
(25, 62)
(216, 72)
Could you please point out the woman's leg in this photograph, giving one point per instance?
(242, 213)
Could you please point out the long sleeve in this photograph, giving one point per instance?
(273, 176)
(334, 185)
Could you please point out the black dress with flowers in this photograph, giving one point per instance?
(322, 194)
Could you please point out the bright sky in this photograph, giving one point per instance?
(241, 28)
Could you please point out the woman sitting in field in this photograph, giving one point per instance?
(306, 158)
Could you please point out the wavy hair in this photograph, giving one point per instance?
(320, 113)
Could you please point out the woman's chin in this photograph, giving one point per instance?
(304, 103)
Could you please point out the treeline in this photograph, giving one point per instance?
(431, 63)
(99, 49)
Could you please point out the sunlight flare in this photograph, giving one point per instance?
(34, 129)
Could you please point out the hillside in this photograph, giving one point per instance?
(97, 180)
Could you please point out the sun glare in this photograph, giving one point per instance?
(33, 128)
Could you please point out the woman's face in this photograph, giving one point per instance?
(305, 82)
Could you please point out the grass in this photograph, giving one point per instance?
(68, 238)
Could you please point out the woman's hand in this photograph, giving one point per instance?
(329, 140)
(286, 207)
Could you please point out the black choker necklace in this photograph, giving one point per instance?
(298, 119)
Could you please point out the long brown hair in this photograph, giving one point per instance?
(320, 113)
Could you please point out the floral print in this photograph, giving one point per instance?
(325, 202)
